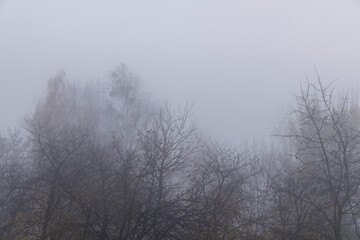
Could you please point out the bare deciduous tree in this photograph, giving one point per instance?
(327, 138)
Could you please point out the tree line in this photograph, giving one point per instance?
(101, 161)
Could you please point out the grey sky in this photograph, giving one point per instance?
(240, 61)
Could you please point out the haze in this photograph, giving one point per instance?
(239, 61)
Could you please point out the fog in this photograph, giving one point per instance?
(156, 120)
(241, 62)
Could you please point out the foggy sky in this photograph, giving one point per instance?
(240, 61)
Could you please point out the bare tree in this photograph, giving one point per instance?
(327, 138)
(222, 198)
(13, 174)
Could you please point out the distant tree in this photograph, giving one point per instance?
(130, 107)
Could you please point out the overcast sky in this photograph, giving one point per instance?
(241, 61)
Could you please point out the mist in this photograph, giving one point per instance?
(179, 120)
(239, 61)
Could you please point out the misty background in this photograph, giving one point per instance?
(239, 61)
